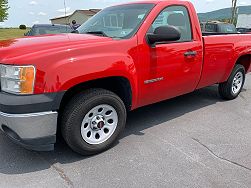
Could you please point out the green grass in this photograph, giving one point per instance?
(11, 33)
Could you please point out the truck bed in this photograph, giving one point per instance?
(220, 54)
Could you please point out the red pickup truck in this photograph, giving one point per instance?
(125, 57)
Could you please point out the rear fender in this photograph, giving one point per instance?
(234, 62)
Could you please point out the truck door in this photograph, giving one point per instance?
(172, 68)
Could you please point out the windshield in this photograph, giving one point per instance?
(227, 28)
(42, 30)
(211, 28)
(117, 22)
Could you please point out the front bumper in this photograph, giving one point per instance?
(36, 131)
(30, 121)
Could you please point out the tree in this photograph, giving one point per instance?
(226, 20)
(3, 10)
(23, 27)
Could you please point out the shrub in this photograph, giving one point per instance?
(22, 27)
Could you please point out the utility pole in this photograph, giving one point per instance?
(234, 11)
(65, 13)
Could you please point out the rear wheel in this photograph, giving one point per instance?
(92, 121)
(230, 89)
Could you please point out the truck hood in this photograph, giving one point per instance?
(29, 45)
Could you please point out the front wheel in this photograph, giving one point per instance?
(230, 89)
(92, 121)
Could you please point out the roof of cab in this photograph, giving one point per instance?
(148, 2)
(50, 25)
(145, 2)
(155, 2)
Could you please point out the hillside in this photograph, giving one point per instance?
(223, 13)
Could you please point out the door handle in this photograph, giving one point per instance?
(190, 54)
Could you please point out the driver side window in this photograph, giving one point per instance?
(176, 16)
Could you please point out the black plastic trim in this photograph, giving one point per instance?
(215, 33)
(21, 104)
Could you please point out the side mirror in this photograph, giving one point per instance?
(164, 34)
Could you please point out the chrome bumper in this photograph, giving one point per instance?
(35, 131)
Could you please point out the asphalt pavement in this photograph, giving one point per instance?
(196, 140)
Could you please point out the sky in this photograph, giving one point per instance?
(30, 12)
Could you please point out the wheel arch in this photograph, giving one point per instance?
(117, 84)
(244, 60)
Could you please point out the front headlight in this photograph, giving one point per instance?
(17, 79)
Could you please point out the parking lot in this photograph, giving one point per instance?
(196, 140)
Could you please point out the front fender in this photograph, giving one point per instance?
(65, 74)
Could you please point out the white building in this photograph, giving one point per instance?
(244, 21)
(81, 16)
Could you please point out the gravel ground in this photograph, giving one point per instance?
(196, 140)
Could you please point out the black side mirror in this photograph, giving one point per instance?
(164, 34)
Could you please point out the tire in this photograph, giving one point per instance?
(230, 89)
(85, 108)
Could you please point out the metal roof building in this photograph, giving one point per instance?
(80, 16)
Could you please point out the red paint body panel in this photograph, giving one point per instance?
(66, 60)
(220, 56)
(180, 75)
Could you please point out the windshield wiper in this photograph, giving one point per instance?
(97, 33)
